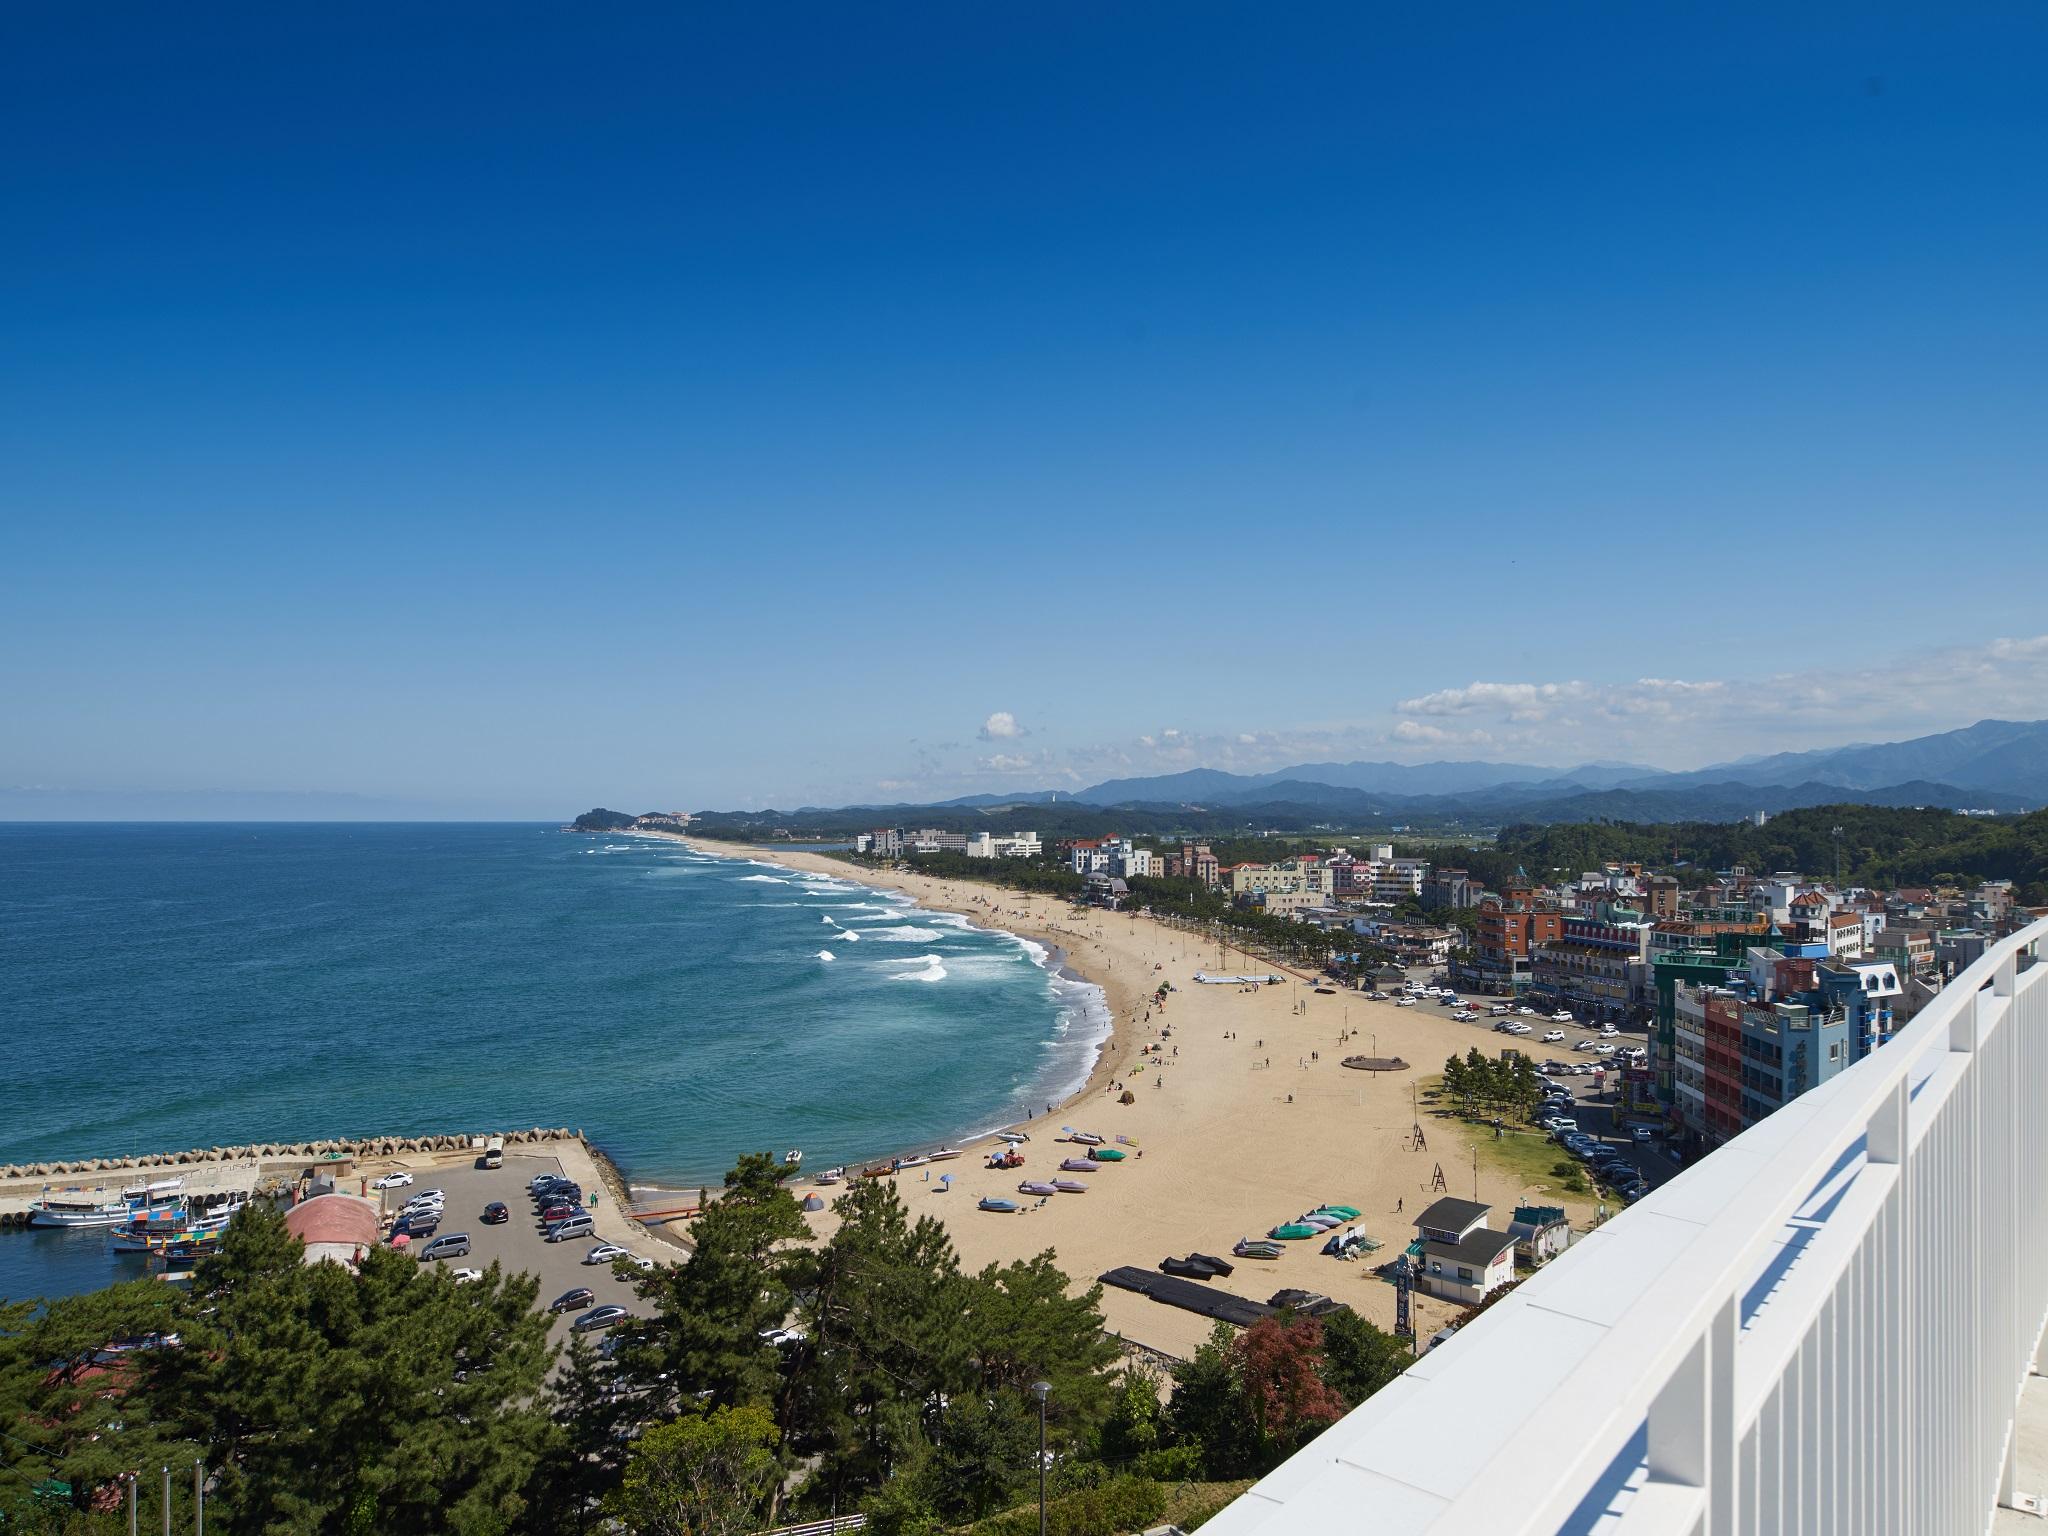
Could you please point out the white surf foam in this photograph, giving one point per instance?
(763, 879)
(826, 954)
(906, 934)
(934, 970)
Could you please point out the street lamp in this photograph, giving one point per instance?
(1041, 1390)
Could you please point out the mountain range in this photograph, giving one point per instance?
(1997, 765)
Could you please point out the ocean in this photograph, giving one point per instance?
(168, 986)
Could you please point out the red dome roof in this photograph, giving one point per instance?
(333, 1219)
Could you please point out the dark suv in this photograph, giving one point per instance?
(496, 1212)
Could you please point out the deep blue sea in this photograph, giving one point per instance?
(169, 986)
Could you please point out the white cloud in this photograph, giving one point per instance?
(1002, 726)
(1687, 723)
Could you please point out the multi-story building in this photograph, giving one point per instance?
(932, 840)
(1004, 845)
(1511, 926)
(1595, 968)
(1660, 896)
(1449, 890)
(1194, 861)
(1398, 880)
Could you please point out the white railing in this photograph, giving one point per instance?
(1823, 1327)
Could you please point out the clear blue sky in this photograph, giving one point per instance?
(504, 409)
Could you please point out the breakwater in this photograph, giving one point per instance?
(357, 1148)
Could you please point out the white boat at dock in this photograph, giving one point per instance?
(92, 1208)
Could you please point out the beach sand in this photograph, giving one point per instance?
(1240, 1129)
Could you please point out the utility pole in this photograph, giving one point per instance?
(1041, 1390)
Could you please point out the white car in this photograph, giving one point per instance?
(604, 1253)
(1552, 1036)
(464, 1275)
(1406, 1002)
(1608, 1030)
(1604, 1050)
(1520, 1029)
(1562, 1016)
(642, 1262)
(1587, 1045)
(1432, 991)
(393, 1181)
(1527, 1013)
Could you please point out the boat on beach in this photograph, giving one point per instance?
(1070, 1186)
(989, 1203)
(1036, 1187)
(1078, 1165)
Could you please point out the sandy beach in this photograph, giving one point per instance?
(1244, 1115)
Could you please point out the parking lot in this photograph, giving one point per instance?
(1592, 1092)
(517, 1245)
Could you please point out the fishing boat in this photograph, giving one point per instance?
(1012, 1137)
(1087, 1138)
(152, 1229)
(878, 1171)
(1294, 1231)
(1036, 1187)
(830, 1176)
(1070, 1186)
(792, 1157)
(92, 1208)
(1105, 1154)
(912, 1162)
(945, 1155)
(1344, 1212)
(1257, 1248)
(989, 1203)
(1077, 1165)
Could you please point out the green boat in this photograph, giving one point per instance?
(1105, 1154)
(1294, 1231)
(1341, 1212)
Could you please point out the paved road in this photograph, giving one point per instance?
(517, 1244)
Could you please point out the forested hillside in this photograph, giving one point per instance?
(1879, 846)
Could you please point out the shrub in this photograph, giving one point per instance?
(1128, 1504)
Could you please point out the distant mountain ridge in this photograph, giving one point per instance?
(2006, 760)
(1994, 765)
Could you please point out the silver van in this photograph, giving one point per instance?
(455, 1245)
(571, 1227)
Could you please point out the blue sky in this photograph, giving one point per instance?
(500, 410)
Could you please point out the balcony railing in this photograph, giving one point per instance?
(1823, 1327)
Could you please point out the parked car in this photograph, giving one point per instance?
(1553, 1036)
(604, 1253)
(1527, 1013)
(579, 1225)
(422, 1225)
(1603, 1050)
(496, 1212)
(1520, 1029)
(559, 1211)
(393, 1181)
(1608, 1031)
(455, 1245)
(1562, 1016)
(569, 1301)
(464, 1276)
(1406, 1002)
(600, 1317)
(1640, 1134)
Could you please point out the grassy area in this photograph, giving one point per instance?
(1189, 1504)
(1525, 1154)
